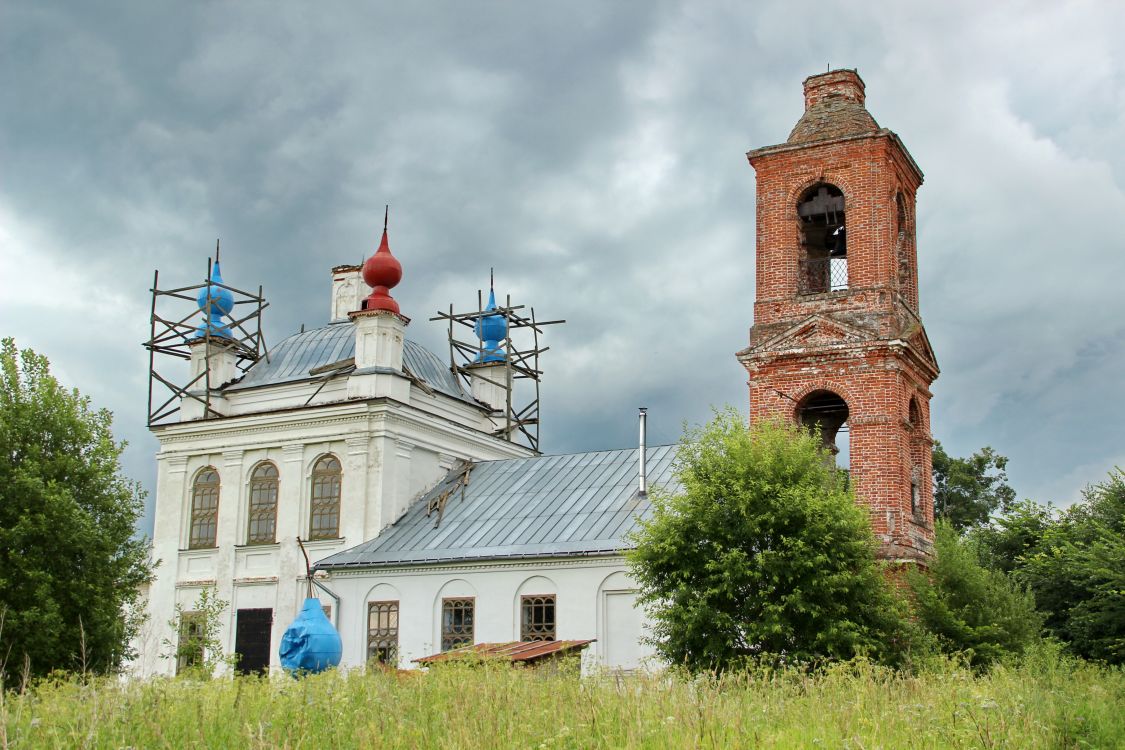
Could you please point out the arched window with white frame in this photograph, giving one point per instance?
(324, 505)
(262, 528)
(204, 524)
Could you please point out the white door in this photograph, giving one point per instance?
(621, 629)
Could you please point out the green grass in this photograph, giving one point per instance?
(1046, 702)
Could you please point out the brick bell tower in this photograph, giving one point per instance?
(837, 339)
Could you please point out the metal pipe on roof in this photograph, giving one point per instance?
(642, 470)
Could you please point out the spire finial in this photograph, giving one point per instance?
(381, 272)
(216, 249)
(491, 328)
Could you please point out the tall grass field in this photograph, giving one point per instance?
(1045, 702)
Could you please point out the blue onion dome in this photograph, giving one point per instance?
(490, 330)
(221, 303)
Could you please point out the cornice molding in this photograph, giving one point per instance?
(578, 561)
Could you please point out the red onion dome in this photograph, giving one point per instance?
(382, 272)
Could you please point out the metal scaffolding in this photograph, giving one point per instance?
(172, 336)
(520, 416)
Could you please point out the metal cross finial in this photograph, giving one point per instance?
(386, 214)
(216, 250)
(491, 281)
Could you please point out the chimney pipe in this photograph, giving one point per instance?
(642, 470)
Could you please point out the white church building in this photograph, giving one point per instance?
(427, 528)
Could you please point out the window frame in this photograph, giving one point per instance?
(531, 631)
(257, 511)
(197, 517)
(325, 505)
(390, 657)
(457, 637)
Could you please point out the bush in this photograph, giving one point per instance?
(971, 609)
(764, 554)
(1077, 572)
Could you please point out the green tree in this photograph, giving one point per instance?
(1077, 572)
(1013, 535)
(763, 554)
(69, 563)
(969, 490)
(971, 609)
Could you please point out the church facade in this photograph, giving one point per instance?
(427, 530)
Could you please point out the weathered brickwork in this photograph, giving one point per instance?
(864, 343)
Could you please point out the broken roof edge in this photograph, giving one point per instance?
(513, 651)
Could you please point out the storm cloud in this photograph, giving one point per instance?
(593, 154)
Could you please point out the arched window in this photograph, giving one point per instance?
(204, 509)
(904, 245)
(824, 242)
(913, 413)
(263, 504)
(324, 511)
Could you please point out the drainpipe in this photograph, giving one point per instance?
(642, 468)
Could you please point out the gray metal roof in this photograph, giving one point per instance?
(291, 360)
(576, 503)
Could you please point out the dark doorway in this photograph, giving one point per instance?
(252, 640)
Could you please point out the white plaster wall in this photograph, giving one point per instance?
(580, 586)
(391, 452)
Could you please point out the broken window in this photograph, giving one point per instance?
(263, 504)
(189, 651)
(537, 618)
(382, 633)
(824, 412)
(324, 513)
(456, 623)
(204, 509)
(823, 237)
(914, 414)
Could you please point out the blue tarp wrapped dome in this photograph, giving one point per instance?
(310, 644)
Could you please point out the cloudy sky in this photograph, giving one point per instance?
(594, 154)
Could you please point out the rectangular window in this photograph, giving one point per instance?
(382, 633)
(189, 651)
(537, 618)
(456, 623)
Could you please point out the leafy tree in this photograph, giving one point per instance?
(968, 490)
(763, 554)
(1077, 572)
(69, 564)
(972, 609)
(1010, 537)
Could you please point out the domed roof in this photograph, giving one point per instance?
(292, 359)
(833, 117)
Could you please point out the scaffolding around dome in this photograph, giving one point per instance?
(508, 364)
(177, 336)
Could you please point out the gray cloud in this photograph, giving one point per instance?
(592, 153)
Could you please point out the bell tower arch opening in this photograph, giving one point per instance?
(824, 412)
(822, 230)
